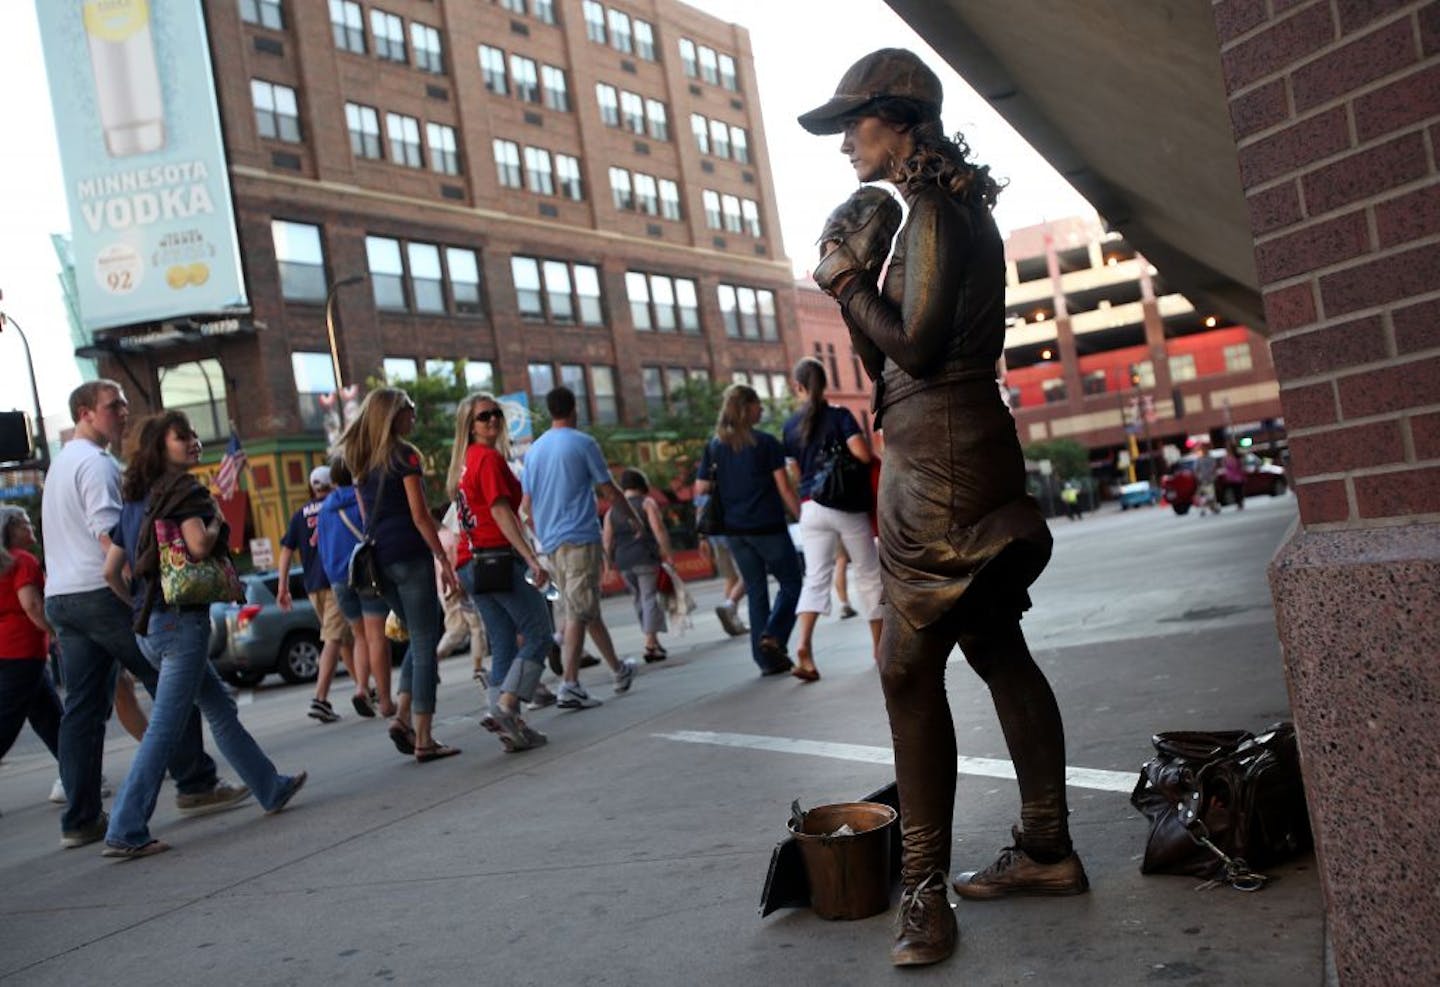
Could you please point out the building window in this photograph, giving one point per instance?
(587, 290)
(749, 312)
(644, 40)
(602, 386)
(1053, 390)
(1237, 358)
(266, 13)
(1142, 374)
(646, 198)
(572, 375)
(632, 112)
(637, 289)
(442, 369)
(525, 272)
(1093, 382)
(669, 199)
(688, 302)
(1182, 367)
(657, 119)
(739, 145)
(730, 206)
(492, 69)
(571, 292)
(507, 163)
(314, 378)
(426, 41)
(594, 21)
(700, 127)
(620, 32)
(480, 375)
(709, 68)
(557, 94)
(567, 168)
(464, 271)
(662, 296)
(661, 303)
(525, 78)
(620, 188)
(538, 174)
(387, 273)
(444, 157)
(711, 200)
(729, 310)
(727, 74)
(765, 301)
(427, 287)
(388, 30)
(404, 135)
(277, 116)
(545, 11)
(719, 139)
(750, 213)
(687, 57)
(761, 383)
(542, 381)
(654, 388)
(301, 260)
(364, 124)
(609, 104)
(348, 25)
(514, 6)
(400, 369)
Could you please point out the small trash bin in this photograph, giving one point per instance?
(849, 874)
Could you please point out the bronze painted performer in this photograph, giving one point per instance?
(960, 540)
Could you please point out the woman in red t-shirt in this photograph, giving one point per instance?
(491, 561)
(25, 689)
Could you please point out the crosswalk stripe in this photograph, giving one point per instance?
(987, 767)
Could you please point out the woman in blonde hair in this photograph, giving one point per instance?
(389, 480)
(745, 469)
(487, 494)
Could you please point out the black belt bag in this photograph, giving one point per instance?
(493, 569)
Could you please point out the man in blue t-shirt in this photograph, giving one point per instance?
(563, 471)
(335, 638)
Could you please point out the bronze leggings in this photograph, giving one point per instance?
(913, 677)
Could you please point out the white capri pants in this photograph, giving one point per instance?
(821, 530)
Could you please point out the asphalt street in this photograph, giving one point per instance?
(632, 849)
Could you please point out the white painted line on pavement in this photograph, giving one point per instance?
(988, 767)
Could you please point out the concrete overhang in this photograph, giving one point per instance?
(1126, 100)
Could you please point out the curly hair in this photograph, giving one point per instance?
(937, 160)
(146, 454)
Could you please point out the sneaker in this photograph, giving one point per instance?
(506, 726)
(847, 611)
(85, 835)
(1016, 872)
(572, 695)
(926, 930)
(624, 676)
(117, 851)
(57, 790)
(730, 621)
(533, 736)
(320, 709)
(220, 798)
(294, 785)
(541, 698)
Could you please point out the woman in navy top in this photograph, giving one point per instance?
(745, 469)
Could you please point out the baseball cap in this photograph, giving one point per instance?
(320, 477)
(896, 73)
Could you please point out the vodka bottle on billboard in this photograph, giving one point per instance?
(127, 80)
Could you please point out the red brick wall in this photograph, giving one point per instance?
(1336, 110)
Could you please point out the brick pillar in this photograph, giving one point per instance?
(1336, 111)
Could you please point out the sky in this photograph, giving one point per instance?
(801, 49)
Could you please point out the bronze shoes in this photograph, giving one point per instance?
(926, 929)
(1015, 872)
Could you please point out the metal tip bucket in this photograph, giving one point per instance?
(849, 875)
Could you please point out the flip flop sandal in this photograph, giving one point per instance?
(403, 737)
(362, 706)
(134, 852)
(806, 674)
(434, 752)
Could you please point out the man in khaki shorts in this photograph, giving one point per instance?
(563, 471)
(335, 638)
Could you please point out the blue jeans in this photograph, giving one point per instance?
(94, 629)
(409, 586)
(27, 694)
(514, 667)
(757, 557)
(178, 647)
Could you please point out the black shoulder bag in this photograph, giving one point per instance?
(712, 516)
(365, 578)
(1221, 803)
(841, 482)
(492, 570)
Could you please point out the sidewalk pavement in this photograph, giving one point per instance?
(620, 854)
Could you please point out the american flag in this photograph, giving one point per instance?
(228, 478)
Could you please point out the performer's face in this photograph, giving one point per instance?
(874, 148)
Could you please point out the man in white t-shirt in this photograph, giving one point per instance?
(94, 627)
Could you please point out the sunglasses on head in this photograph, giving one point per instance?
(407, 406)
(494, 414)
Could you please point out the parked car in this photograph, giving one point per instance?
(249, 641)
(1261, 477)
(1138, 494)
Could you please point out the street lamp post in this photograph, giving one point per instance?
(34, 392)
(330, 325)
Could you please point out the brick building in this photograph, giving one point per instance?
(563, 191)
(824, 336)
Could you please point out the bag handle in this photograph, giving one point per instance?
(359, 535)
(379, 492)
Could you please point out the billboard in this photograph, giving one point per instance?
(145, 174)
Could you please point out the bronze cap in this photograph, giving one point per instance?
(890, 72)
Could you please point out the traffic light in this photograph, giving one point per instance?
(17, 442)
